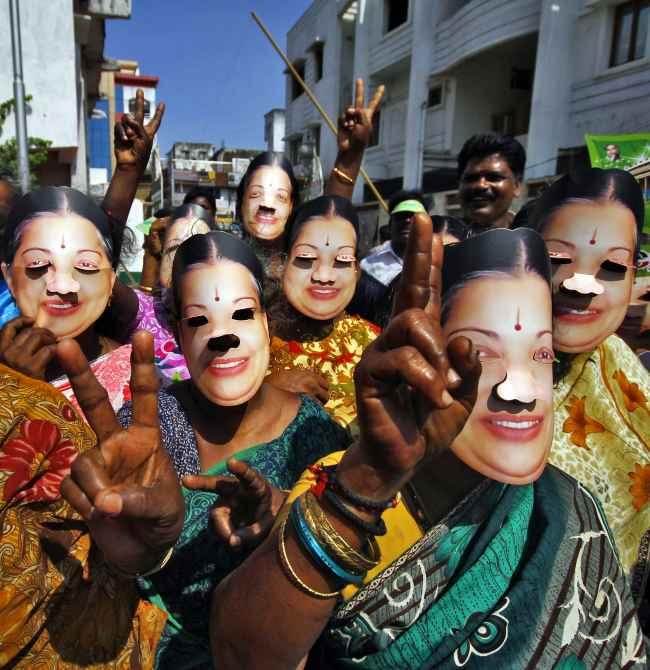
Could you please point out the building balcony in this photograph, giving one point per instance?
(393, 48)
(481, 25)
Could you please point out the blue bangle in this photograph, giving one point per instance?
(312, 546)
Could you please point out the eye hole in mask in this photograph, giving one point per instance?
(614, 266)
(245, 314)
(559, 258)
(196, 321)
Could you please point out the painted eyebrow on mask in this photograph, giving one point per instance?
(491, 333)
(316, 248)
(573, 246)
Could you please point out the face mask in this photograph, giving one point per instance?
(177, 232)
(61, 274)
(267, 203)
(591, 246)
(223, 332)
(321, 274)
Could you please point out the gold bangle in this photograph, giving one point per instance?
(146, 289)
(343, 176)
(347, 555)
(291, 573)
(159, 566)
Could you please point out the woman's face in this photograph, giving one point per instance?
(267, 203)
(177, 232)
(592, 251)
(321, 275)
(223, 332)
(509, 432)
(61, 275)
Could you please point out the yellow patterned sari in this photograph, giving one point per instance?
(602, 438)
(60, 607)
(334, 357)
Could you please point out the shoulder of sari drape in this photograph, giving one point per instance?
(522, 589)
(602, 438)
(50, 578)
(335, 357)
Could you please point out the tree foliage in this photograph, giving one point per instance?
(9, 151)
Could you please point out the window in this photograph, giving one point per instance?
(374, 138)
(318, 50)
(630, 32)
(396, 13)
(434, 98)
(315, 133)
(185, 153)
(147, 107)
(202, 155)
(294, 146)
(296, 88)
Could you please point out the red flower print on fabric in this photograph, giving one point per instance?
(38, 460)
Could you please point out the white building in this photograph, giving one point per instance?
(62, 48)
(547, 71)
(274, 130)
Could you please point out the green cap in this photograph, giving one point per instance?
(413, 206)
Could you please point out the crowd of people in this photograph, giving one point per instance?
(276, 453)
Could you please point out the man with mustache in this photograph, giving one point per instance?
(490, 173)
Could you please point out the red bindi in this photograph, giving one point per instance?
(593, 237)
(518, 325)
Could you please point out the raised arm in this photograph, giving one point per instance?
(411, 402)
(133, 143)
(355, 130)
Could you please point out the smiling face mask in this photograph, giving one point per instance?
(223, 331)
(61, 274)
(177, 232)
(267, 203)
(591, 246)
(508, 319)
(322, 271)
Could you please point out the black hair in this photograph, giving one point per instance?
(486, 144)
(187, 212)
(273, 159)
(592, 185)
(163, 213)
(494, 252)
(401, 196)
(323, 206)
(523, 215)
(66, 200)
(200, 192)
(210, 248)
(450, 225)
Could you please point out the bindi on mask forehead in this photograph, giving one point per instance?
(518, 325)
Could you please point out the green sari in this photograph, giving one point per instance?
(515, 577)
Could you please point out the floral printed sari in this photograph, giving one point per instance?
(60, 606)
(602, 438)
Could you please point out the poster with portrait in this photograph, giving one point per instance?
(629, 152)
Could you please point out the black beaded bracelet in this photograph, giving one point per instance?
(354, 498)
(377, 529)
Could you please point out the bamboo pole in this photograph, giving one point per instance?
(315, 101)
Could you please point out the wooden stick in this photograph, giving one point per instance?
(315, 101)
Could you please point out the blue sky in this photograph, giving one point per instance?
(218, 73)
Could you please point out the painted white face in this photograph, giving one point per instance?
(509, 432)
(591, 246)
(177, 232)
(267, 203)
(321, 275)
(61, 275)
(223, 332)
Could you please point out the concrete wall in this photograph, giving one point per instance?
(49, 70)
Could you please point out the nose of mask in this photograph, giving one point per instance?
(585, 284)
(223, 342)
(517, 387)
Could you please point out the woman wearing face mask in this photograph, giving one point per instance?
(312, 331)
(224, 410)
(591, 225)
(489, 558)
(60, 252)
(186, 220)
(269, 191)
